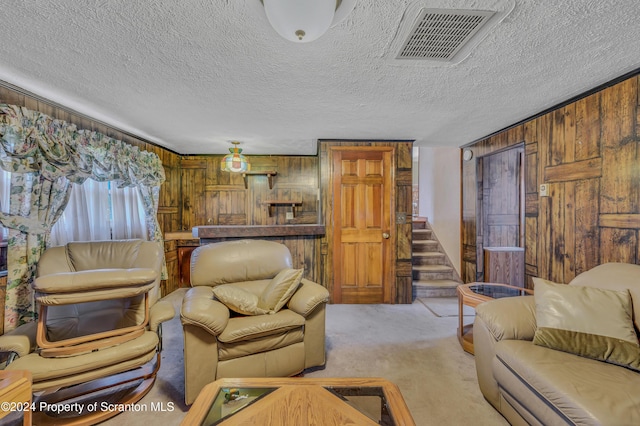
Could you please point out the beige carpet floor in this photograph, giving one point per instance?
(447, 307)
(407, 344)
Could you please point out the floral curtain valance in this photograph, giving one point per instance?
(31, 141)
(45, 156)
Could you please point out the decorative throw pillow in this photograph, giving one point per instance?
(238, 299)
(280, 290)
(586, 321)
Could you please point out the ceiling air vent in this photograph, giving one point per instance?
(439, 34)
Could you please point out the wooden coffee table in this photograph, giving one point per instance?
(475, 293)
(298, 401)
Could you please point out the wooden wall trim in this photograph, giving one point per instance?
(187, 163)
(586, 169)
(212, 188)
(624, 221)
(168, 210)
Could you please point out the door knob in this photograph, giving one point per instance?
(385, 235)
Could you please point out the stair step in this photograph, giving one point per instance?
(428, 258)
(432, 272)
(434, 288)
(422, 234)
(433, 268)
(419, 223)
(424, 245)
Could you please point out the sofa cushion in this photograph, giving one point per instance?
(253, 327)
(586, 321)
(238, 299)
(280, 290)
(614, 276)
(552, 384)
(248, 347)
(71, 368)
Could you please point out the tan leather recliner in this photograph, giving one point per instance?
(220, 343)
(99, 317)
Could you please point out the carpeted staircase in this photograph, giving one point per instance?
(433, 273)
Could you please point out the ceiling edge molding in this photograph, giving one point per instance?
(51, 103)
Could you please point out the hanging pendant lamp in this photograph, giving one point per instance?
(235, 161)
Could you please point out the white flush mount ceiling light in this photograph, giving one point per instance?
(303, 21)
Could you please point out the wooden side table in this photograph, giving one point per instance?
(15, 389)
(472, 295)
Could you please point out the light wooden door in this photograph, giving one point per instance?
(362, 229)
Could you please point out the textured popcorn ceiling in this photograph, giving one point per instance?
(191, 75)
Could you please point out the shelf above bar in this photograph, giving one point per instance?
(231, 231)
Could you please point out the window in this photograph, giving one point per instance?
(100, 211)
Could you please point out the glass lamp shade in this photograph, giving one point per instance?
(235, 161)
(301, 21)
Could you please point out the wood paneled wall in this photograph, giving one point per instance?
(403, 206)
(213, 197)
(588, 156)
(168, 212)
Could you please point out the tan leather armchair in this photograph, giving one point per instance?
(219, 342)
(99, 324)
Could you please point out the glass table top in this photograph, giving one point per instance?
(370, 401)
(497, 291)
(231, 400)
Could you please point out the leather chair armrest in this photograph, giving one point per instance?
(307, 297)
(21, 340)
(200, 309)
(511, 318)
(160, 312)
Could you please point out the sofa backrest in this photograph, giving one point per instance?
(615, 276)
(237, 261)
(69, 321)
(114, 254)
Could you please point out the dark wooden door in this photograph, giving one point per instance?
(502, 200)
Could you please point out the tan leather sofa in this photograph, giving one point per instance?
(534, 385)
(220, 343)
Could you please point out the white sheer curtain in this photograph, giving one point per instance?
(128, 214)
(100, 211)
